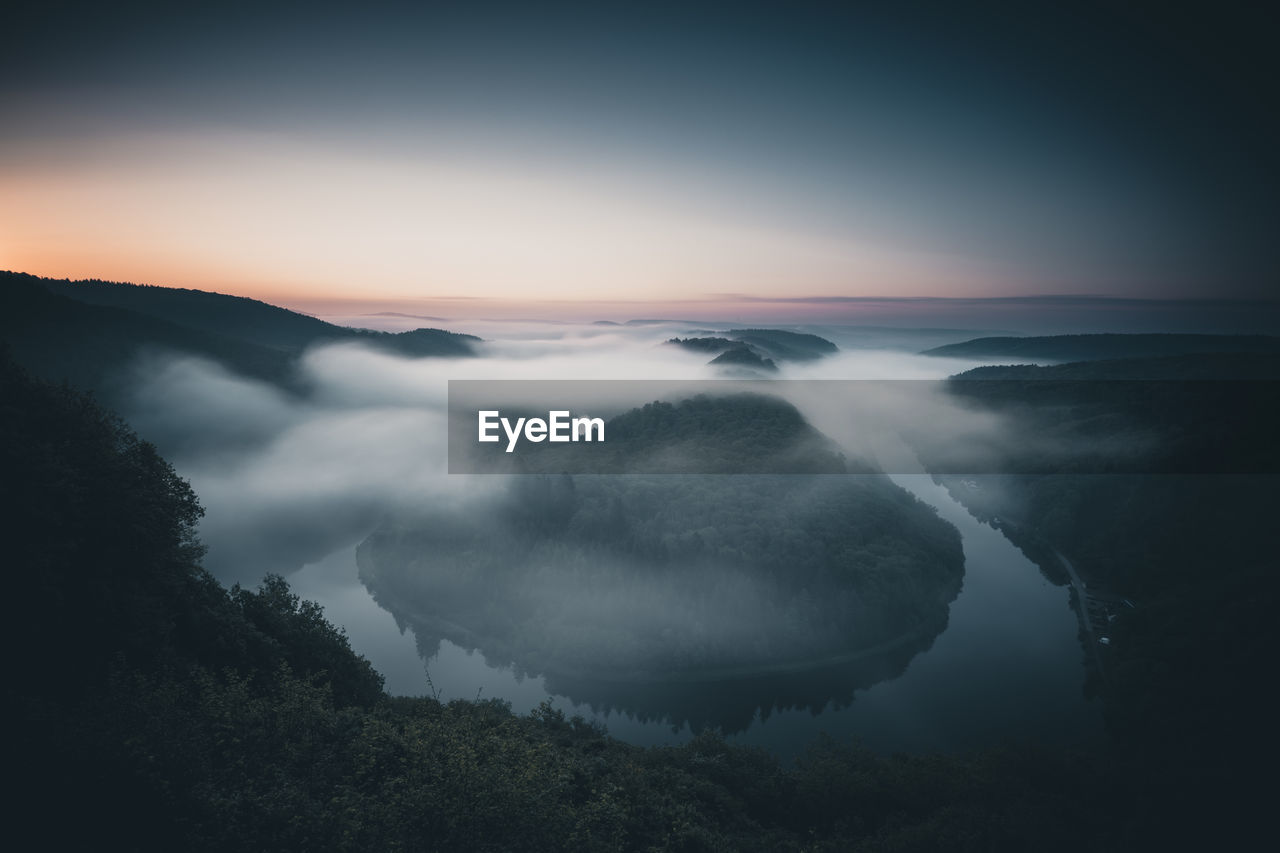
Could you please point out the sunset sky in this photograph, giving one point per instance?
(724, 157)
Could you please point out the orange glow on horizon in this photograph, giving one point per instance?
(266, 218)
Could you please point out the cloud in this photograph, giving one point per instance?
(287, 479)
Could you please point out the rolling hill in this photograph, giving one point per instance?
(1108, 346)
(86, 332)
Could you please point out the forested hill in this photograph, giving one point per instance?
(754, 351)
(1177, 560)
(252, 320)
(1108, 346)
(1215, 413)
(653, 578)
(60, 339)
(743, 433)
(784, 345)
(218, 313)
(85, 331)
(1214, 366)
(149, 708)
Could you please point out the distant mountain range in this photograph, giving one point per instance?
(1211, 413)
(1192, 366)
(407, 316)
(1093, 347)
(83, 332)
(757, 350)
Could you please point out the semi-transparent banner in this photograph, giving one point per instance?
(863, 426)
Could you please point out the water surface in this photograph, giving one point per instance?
(1009, 664)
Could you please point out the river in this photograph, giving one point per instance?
(1009, 664)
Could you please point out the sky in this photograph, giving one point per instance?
(719, 157)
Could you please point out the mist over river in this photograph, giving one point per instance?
(629, 427)
(293, 484)
(1008, 665)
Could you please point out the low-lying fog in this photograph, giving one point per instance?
(300, 479)
(287, 479)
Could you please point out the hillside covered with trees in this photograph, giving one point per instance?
(654, 578)
(1164, 505)
(89, 332)
(1106, 346)
(756, 351)
(153, 709)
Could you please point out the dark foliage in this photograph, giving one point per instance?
(1211, 414)
(711, 346)
(90, 346)
(649, 578)
(742, 433)
(785, 346)
(151, 709)
(744, 357)
(1107, 346)
(88, 332)
(758, 349)
(1181, 566)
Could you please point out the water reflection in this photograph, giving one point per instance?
(699, 600)
(1008, 664)
(732, 704)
